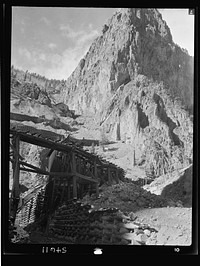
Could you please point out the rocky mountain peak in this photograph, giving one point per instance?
(136, 82)
(132, 95)
(133, 42)
(146, 18)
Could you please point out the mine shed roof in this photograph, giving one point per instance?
(54, 141)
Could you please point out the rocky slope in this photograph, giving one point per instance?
(176, 186)
(31, 104)
(139, 85)
(128, 82)
(52, 86)
(134, 92)
(133, 42)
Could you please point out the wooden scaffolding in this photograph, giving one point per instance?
(80, 169)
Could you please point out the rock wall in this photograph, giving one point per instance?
(176, 186)
(79, 223)
(142, 113)
(138, 83)
(134, 41)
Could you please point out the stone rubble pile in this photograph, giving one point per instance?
(80, 223)
(126, 196)
(175, 186)
(17, 234)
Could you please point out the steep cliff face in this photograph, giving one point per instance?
(135, 82)
(143, 114)
(133, 42)
(139, 84)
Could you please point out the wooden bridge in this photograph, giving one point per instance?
(78, 171)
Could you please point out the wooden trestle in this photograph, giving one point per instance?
(80, 169)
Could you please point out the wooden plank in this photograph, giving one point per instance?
(68, 190)
(95, 170)
(41, 171)
(58, 174)
(73, 157)
(74, 188)
(52, 195)
(109, 176)
(16, 172)
(63, 191)
(84, 167)
(117, 176)
(60, 147)
(97, 189)
(52, 145)
(44, 143)
(81, 190)
(78, 164)
(85, 177)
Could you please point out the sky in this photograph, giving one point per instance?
(50, 41)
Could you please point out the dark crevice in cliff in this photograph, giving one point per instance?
(142, 118)
(161, 113)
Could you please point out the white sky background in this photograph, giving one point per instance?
(181, 26)
(51, 41)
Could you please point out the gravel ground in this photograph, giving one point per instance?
(174, 225)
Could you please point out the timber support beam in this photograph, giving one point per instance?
(16, 173)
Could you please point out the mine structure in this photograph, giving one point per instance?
(72, 171)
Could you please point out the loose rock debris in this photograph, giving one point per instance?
(79, 223)
(127, 197)
(113, 219)
(106, 220)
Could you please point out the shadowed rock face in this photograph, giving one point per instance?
(181, 189)
(142, 118)
(128, 81)
(136, 41)
(137, 82)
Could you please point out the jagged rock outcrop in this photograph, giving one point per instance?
(136, 41)
(135, 81)
(176, 186)
(139, 85)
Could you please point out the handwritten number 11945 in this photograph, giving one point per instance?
(54, 250)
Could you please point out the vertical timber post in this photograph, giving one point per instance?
(74, 187)
(95, 169)
(134, 157)
(68, 189)
(96, 177)
(52, 194)
(63, 191)
(117, 176)
(74, 176)
(16, 172)
(109, 176)
(81, 191)
(79, 164)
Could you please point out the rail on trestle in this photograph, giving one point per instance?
(79, 173)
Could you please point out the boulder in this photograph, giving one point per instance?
(131, 226)
(129, 236)
(147, 232)
(123, 230)
(142, 238)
